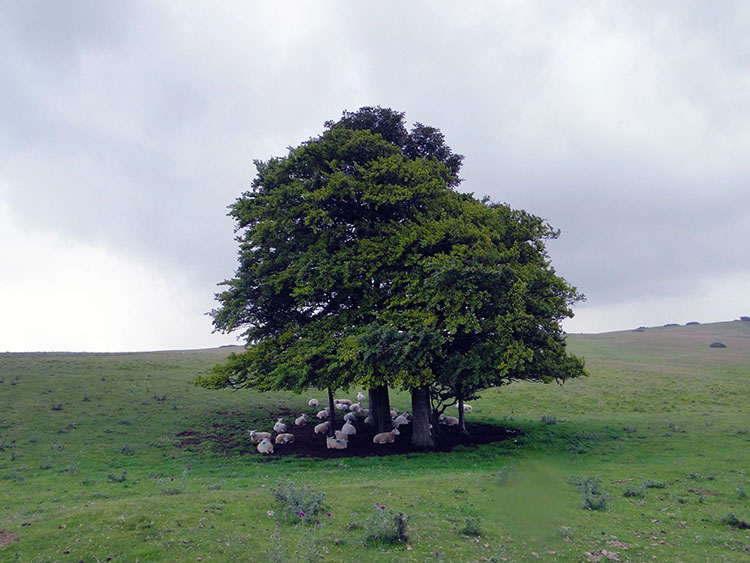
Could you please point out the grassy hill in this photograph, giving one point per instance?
(95, 450)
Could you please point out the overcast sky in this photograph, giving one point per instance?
(127, 128)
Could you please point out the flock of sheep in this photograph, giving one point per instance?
(340, 439)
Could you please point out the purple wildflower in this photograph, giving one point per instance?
(328, 514)
(301, 514)
(171, 478)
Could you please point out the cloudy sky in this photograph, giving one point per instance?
(127, 128)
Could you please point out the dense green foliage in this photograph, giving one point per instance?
(359, 262)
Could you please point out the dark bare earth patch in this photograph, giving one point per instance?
(7, 538)
(230, 436)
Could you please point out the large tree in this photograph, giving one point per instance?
(317, 233)
(359, 262)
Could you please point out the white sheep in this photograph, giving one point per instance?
(346, 402)
(265, 447)
(335, 443)
(467, 408)
(448, 420)
(322, 427)
(313, 403)
(355, 407)
(279, 427)
(394, 412)
(350, 417)
(368, 419)
(385, 437)
(360, 396)
(349, 428)
(285, 438)
(341, 435)
(325, 413)
(258, 436)
(341, 406)
(300, 420)
(401, 419)
(365, 411)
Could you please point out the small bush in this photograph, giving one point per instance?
(717, 345)
(386, 527)
(732, 520)
(651, 484)
(637, 492)
(549, 419)
(299, 503)
(593, 494)
(56, 406)
(115, 479)
(471, 527)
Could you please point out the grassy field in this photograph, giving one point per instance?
(657, 438)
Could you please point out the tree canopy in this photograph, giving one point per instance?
(359, 262)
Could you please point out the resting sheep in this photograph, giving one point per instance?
(355, 407)
(265, 447)
(321, 428)
(448, 420)
(279, 427)
(258, 436)
(467, 408)
(401, 419)
(346, 402)
(341, 406)
(313, 402)
(350, 416)
(285, 438)
(341, 435)
(335, 444)
(349, 428)
(385, 437)
(300, 420)
(325, 413)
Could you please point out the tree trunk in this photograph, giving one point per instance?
(421, 436)
(380, 408)
(462, 418)
(332, 417)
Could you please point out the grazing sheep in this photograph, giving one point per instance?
(360, 396)
(355, 407)
(341, 435)
(258, 436)
(335, 444)
(394, 412)
(300, 420)
(265, 447)
(349, 428)
(467, 408)
(346, 402)
(279, 427)
(313, 403)
(350, 416)
(341, 406)
(325, 413)
(448, 420)
(285, 438)
(401, 419)
(322, 427)
(385, 437)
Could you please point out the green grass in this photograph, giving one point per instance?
(82, 437)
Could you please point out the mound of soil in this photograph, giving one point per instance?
(232, 439)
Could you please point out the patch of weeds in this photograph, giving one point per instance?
(506, 474)
(57, 406)
(674, 428)
(31, 439)
(694, 475)
(160, 398)
(126, 449)
(118, 479)
(44, 465)
(460, 491)
(651, 484)
(472, 527)
(299, 504)
(630, 429)
(275, 551)
(741, 492)
(682, 500)
(353, 524)
(636, 492)
(123, 422)
(385, 526)
(57, 446)
(214, 487)
(16, 476)
(73, 469)
(734, 522)
(593, 495)
(86, 399)
(170, 485)
(549, 419)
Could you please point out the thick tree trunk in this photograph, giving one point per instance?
(332, 417)
(380, 408)
(421, 436)
(462, 418)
